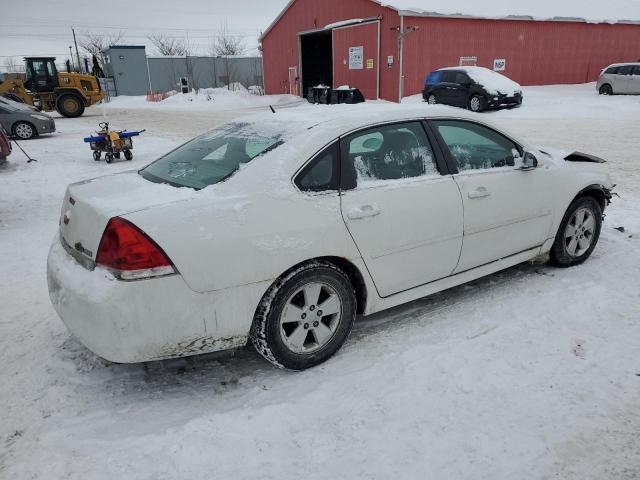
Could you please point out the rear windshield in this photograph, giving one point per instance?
(213, 157)
(434, 77)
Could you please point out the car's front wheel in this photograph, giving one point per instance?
(305, 316)
(24, 130)
(476, 104)
(578, 234)
(606, 90)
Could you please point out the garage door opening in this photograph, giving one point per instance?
(316, 57)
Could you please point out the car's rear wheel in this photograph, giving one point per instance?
(578, 234)
(305, 316)
(476, 104)
(432, 99)
(606, 90)
(24, 130)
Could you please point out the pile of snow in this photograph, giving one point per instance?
(232, 97)
(611, 11)
(493, 82)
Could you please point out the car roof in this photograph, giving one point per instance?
(634, 64)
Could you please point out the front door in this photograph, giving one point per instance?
(506, 210)
(452, 90)
(355, 58)
(405, 217)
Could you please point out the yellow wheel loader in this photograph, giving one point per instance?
(47, 89)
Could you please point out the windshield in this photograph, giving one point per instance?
(213, 157)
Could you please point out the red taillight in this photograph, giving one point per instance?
(128, 250)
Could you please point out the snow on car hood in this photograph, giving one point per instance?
(494, 83)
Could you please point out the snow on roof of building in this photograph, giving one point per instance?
(611, 11)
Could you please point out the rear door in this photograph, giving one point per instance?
(506, 210)
(403, 214)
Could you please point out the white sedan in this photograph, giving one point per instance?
(281, 228)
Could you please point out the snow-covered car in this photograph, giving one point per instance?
(475, 88)
(621, 78)
(281, 228)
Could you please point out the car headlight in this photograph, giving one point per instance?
(40, 117)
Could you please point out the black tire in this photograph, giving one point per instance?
(606, 89)
(96, 156)
(266, 333)
(108, 157)
(70, 106)
(24, 130)
(560, 252)
(128, 155)
(477, 103)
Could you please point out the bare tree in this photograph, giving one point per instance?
(96, 44)
(10, 65)
(226, 43)
(169, 46)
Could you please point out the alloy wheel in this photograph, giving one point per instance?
(475, 104)
(579, 233)
(24, 131)
(310, 318)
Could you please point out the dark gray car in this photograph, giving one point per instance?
(22, 121)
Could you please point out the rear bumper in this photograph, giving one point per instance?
(130, 322)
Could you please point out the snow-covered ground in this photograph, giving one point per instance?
(531, 373)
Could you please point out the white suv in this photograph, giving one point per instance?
(621, 78)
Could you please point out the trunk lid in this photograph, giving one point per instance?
(88, 206)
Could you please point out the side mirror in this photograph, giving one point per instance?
(529, 162)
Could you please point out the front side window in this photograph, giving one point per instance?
(389, 152)
(612, 70)
(476, 147)
(636, 70)
(321, 174)
(213, 157)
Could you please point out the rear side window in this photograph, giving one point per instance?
(476, 147)
(449, 77)
(389, 152)
(321, 174)
(636, 70)
(625, 70)
(434, 78)
(462, 78)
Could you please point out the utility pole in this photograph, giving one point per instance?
(71, 58)
(402, 33)
(77, 53)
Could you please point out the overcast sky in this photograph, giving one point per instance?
(43, 27)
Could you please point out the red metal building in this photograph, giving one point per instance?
(387, 52)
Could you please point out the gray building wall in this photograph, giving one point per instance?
(204, 72)
(128, 67)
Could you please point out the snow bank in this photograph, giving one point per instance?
(235, 97)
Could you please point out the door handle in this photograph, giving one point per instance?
(481, 192)
(364, 211)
